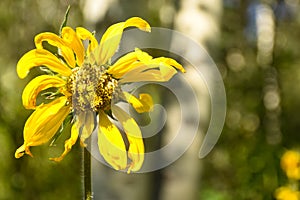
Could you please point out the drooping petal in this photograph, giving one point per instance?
(86, 124)
(111, 38)
(136, 145)
(123, 65)
(84, 34)
(72, 39)
(142, 104)
(43, 123)
(129, 62)
(147, 59)
(143, 56)
(58, 42)
(170, 62)
(139, 63)
(111, 144)
(41, 57)
(69, 142)
(36, 85)
(162, 73)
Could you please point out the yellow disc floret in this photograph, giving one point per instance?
(91, 87)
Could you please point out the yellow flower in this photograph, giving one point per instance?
(87, 83)
(290, 163)
(286, 193)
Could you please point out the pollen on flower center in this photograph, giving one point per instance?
(92, 88)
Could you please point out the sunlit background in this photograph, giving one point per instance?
(255, 45)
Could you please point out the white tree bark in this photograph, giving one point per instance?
(199, 20)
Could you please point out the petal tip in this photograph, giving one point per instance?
(22, 150)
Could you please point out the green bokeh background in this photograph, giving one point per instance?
(245, 162)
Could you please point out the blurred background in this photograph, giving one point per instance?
(255, 45)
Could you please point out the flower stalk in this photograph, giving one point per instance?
(87, 174)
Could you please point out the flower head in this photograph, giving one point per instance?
(286, 193)
(290, 163)
(87, 83)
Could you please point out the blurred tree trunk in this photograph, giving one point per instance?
(199, 20)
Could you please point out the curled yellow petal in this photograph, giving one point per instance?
(170, 62)
(140, 66)
(136, 145)
(111, 144)
(43, 123)
(41, 57)
(69, 143)
(71, 38)
(143, 56)
(123, 65)
(22, 150)
(147, 59)
(111, 38)
(86, 121)
(58, 42)
(84, 34)
(36, 85)
(152, 72)
(142, 104)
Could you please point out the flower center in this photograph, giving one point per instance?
(92, 88)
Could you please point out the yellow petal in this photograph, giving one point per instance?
(129, 62)
(22, 150)
(139, 66)
(41, 57)
(111, 38)
(84, 34)
(43, 123)
(71, 38)
(56, 41)
(69, 143)
(170, 62)
(141, 105)
(153, 72)
(111, 144)
(36, 85)
(86, 123)
(143, 56)
(136, 145)
(123, 65)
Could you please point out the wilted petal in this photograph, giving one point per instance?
(111, 144)
(41, 57)
(140, 66)
(111, 38)
(170, 62)
(142, 104)
(160, 73)
(129, 62)
(73, 41)
(69, 143)
(84, 34)
(36, 85)
(58, 42)
(134, 136)
(43, 123)
(86, 124)
(123, 65)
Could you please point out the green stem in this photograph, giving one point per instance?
(87, 179)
